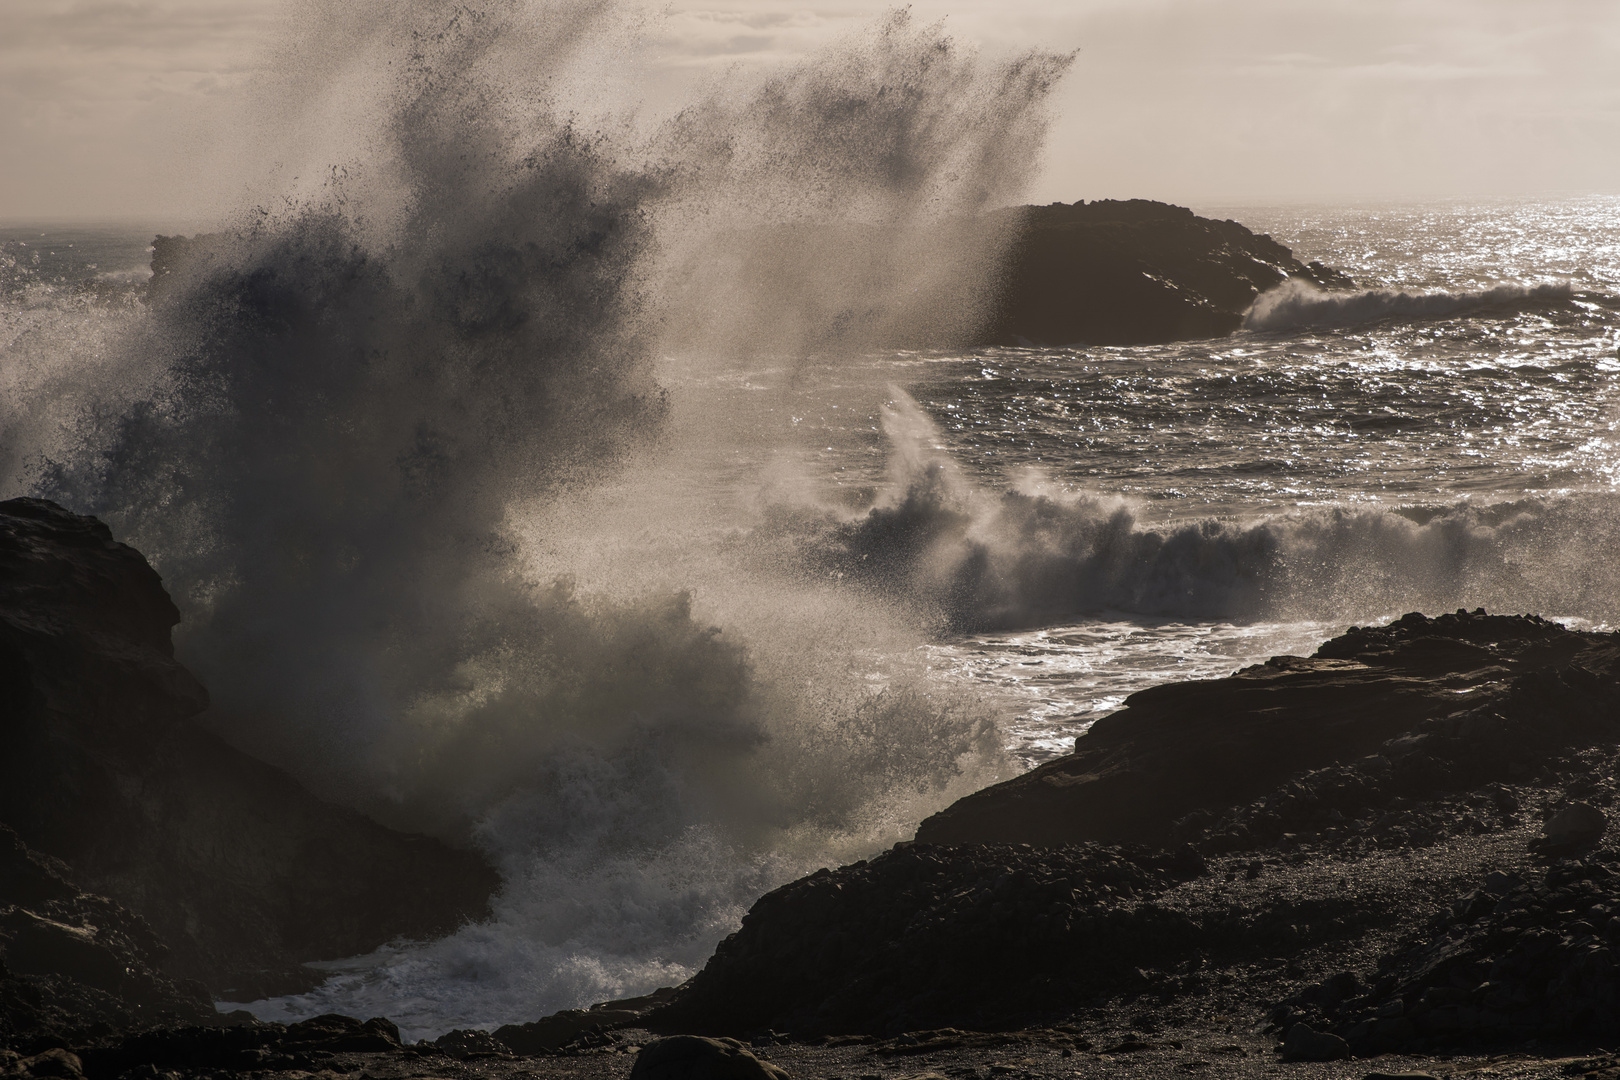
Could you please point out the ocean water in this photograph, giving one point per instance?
(553, 485)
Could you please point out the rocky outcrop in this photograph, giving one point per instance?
(1519, 956)
(242, 873)
(74, 966)
(1477, 694)
(982, 938)
(1394, 842)
(1134, 273)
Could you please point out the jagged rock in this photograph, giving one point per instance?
(239, 870)
(1413, 706)
(336, 1033)
(465, 1043)
(57, 1063)
(1134, 273)
(691, 1057)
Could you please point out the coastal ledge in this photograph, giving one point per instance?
(1396, 843)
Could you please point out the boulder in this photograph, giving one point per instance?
(104, 765)
(1304, 1043)
(692, 1057)
(1578, 825)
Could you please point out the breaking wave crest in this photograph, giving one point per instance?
(1297, 304)
(970, 558)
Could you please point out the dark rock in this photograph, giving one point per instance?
(1389, 739)
(58, 1063)
(1526, 965)
(103, 765)
(466, 1043)
(242, 1046)
(74, 963)
(1578, 825)
(337, 1034)
(552, 1033)
(1418, 705)
(1133, 273)
(921, 937)
(1305, 1043)
(691, 1057)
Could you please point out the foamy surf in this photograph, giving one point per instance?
(1299, 304)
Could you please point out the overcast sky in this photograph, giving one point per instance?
(106, 106)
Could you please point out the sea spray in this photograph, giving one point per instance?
(1296, 304)
(965, 556)
(343, 419)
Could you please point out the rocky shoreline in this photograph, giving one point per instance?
(1395, 849)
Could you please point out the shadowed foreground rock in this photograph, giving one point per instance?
(690, 1057)
(236, 868)
(1464, 697)
(74, 966)
(1392, 843)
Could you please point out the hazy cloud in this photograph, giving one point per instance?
(104, 102)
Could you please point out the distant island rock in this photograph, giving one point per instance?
(1134, 272)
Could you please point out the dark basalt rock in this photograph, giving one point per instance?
(241, 872)
(1518, 957)
(1297, 795)
(1135, 273)
(691, 1057)
(555, 1033)
(925, 937)
(1418, 705)
(74, 965)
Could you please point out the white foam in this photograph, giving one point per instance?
(1296, 304)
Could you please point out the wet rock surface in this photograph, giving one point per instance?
(1134, 273)
(926, 937)
(1291, 746)
(1396, 847)
(75, 966)
(1324, 838)
(238, 870)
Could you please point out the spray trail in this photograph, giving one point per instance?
(338, 418)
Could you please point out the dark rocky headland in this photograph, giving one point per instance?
(1396, 848)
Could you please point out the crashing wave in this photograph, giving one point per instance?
(1297, 304)
(972, 558)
